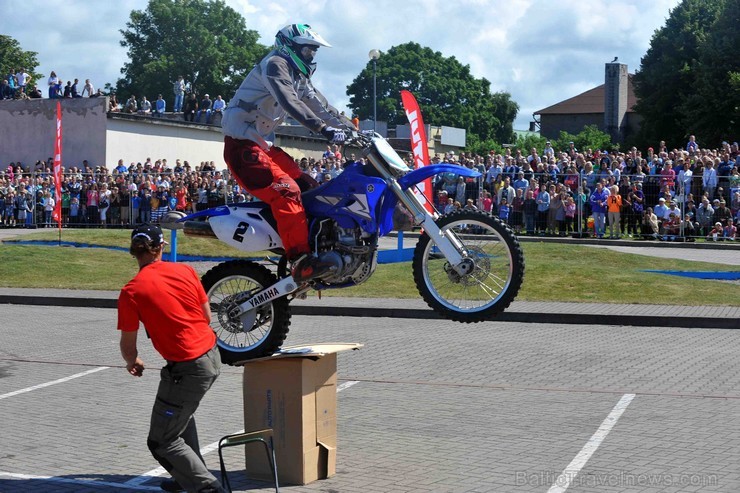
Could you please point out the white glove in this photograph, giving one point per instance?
(334, 135)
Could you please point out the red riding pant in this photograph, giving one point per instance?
(270, 176)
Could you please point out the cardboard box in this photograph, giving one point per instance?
(294, 392)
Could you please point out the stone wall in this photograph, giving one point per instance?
(29, 131)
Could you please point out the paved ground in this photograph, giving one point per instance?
(621, 397)
(439, 407)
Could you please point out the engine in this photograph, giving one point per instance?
(350, 249)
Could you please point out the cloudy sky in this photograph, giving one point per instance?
(540, 51)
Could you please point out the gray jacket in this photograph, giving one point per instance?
(704, 215)
(270, 92)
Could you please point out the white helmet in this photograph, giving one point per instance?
(290, 42)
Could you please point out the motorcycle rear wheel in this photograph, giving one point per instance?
(227, 285)
(496, 268)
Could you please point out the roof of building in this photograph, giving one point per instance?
(591, 101)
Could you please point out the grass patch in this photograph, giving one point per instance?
(554, 272)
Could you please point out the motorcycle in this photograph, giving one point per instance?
(467, 265)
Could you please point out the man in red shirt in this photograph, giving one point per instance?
(169, 300)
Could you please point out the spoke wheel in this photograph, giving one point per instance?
(487, 280)
(257, 333)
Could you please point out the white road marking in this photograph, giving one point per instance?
(47, 384)
(571, 471)
(346, 385)
(88, 483)
(208, 448)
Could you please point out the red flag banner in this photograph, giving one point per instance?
(57, 213)
(418, 142)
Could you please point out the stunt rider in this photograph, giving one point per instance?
(278, 86)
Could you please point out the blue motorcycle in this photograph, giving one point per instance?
(467, 265)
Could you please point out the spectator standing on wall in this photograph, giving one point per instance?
(178, 88)
(22, 79)
(53, 83)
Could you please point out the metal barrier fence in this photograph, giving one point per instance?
(692, 219)
(28, 205)
(683, 211)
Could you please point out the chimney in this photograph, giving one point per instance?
(615, 100)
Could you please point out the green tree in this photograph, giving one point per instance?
(13, 58)
(206, 42)
(446, 91)
(712, 112)
(588, 138)
(668, 71)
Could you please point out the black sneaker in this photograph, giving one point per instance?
(308, 267)
(170, 485)
(217, 488)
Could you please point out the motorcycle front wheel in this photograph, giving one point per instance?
(257, 333)
(493, 273)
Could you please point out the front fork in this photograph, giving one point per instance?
(447, 241)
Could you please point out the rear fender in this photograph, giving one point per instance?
(247, 227)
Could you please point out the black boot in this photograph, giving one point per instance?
(170, 485)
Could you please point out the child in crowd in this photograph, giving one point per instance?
(716, 233)
(689, 230)
(9, 209)
(503, 210)
(671, 227)
(730, 231)
(74, 210)
(570, 214)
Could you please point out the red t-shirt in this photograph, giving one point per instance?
(167, 298)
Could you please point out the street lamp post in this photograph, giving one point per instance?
(374, 55)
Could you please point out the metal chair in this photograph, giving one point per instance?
(244, 439)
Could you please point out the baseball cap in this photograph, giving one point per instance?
(661, 199)
(150, 232)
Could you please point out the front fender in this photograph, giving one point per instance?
(418, 175)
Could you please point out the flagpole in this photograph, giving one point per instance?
(57, 212)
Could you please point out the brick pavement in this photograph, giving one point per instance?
(440, 407)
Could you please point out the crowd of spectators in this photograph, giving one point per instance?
(96, 196)
(670, 194)
(207, 110)
(18, 85)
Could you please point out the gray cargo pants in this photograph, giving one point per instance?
(173, 436)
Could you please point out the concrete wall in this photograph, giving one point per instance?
(89, 133)
(29, 131)
(135, 139)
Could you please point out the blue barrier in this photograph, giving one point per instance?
(723, 276)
